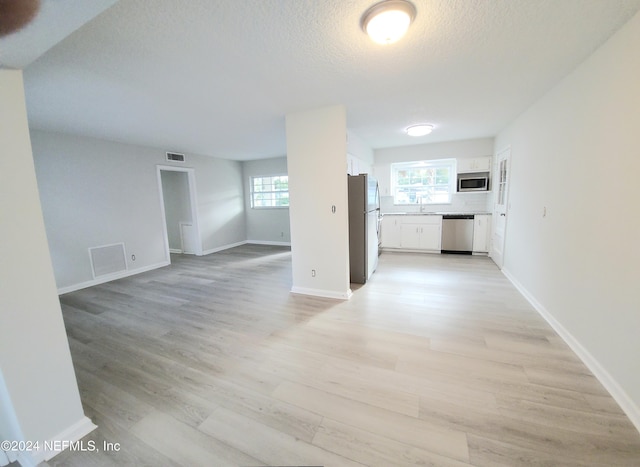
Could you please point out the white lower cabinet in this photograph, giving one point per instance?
(481, 233)
(420, 236)
(410, 236)
(391, 231)
(424, 232)
(419, 232)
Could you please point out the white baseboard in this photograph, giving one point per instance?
(322, 293)
(223, 247)
(268, 242)
(175, 251)
(611, 385)
(409, 250)
(132, 272)
(72, 434)
(110, 277)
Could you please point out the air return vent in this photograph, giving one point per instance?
(107, 259)
(175, 157)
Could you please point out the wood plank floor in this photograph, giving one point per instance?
(438, 361)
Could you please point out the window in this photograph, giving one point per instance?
(423, 182)
(270, 192)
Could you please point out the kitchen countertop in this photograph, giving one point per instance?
(435, 213)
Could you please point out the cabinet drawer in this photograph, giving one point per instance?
(422, 220)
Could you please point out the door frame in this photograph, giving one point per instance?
(504, 153)
(193, 202)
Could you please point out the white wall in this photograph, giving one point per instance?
(177, 205)
(316, 159)
(460, 202)
(265, 225)
(577, 153)
(220, 192)
(97, 192)
(35, 362)
(359, 155)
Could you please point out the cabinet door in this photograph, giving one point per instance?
(483, 164)
(391, 232)
(477, 164)
(481, 226)
(410, 236)
(465, 165)
(430, 237)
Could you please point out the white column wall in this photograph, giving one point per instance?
(317, 161)
(40, 384)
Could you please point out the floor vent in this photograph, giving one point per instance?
(175, 157)
(107, 259)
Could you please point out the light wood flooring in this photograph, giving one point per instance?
(438, 361)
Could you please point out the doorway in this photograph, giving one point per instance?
(501, 206)
(179, 210)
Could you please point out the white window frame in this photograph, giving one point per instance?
(450, 187)
(254, 193)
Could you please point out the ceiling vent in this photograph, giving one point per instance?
(175, 157)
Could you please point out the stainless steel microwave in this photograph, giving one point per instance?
(473, 181)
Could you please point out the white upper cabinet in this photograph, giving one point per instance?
(476, 164)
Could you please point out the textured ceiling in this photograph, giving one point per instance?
(217, 77)
(55, 21)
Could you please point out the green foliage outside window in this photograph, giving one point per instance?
(423, 182)
(270, 192)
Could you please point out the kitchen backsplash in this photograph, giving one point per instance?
(461, 202)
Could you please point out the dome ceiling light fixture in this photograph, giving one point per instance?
(388, 21)
(420, 129)
(16, 14)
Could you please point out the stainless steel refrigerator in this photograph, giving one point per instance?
(364, 226)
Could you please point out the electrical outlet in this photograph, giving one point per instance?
(133, 257)
(313, 273)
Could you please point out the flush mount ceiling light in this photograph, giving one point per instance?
(419, 130)
(16, 14)
(386, 22)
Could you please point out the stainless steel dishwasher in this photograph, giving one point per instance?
(457, 233)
